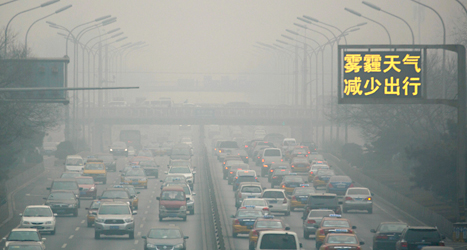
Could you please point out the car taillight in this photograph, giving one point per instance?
(369, 199)
(246, 146)
(272, 170)
(274, 177)
(330, 185)
(224, 163)
(226, 168)
(262, 160)
(265, 166)
(311, 221)
(350, 231)
(311, 172)
(231, 172)
(404, 244)
(293, 166)
(283, 186)
(239, 195)
(347, 198)
(381, 237)
(308, 152)
(282, 159)
(236, 222)
(293, 198)
(321, 231)
(351, 185)
(254, 233)
(284, 201)
(247, 157)
(236, 177)
(220, 151)
(266, 209)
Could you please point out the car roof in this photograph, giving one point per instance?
(250, 184)
(114, 203)
(278, 232)
(61, 191)
(274, 190)
(335, 218)
(170, 226)
(84, 177)
(41, 206)
(421, 228)
(113, 189)
(343, 234)
(172, 188)
(74, 156)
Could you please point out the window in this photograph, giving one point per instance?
(38, 212)
(113, 209)
(183, 170)
(392, 228)
(255, 203)
(246, 179)
(61, 196)
(340, 179)
(414, 235)
(135, 172)
(273, 194)
(268, 224)
(243, 213)
(251, 189)
(91, 166)
(74, 162)
(64, 185)
(228, 144)
(115, 194)
(336, 223)
(86, 181)
(23, 236)
(358, 191)
(342, 239)
(272, 152)
(278, 241)
(173, 196)
(320, 213)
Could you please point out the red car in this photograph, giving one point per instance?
(88, 185)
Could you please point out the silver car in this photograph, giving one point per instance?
(114, 218)
(247, 190)
(314, 218)
(277, 201)
(358, 198)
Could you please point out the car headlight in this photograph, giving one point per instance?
(179, 246)
(48, 222)
(182, 207)
(26, 222)
(98, 220)
(126, 149)
(111, 150)
(128, 220)
(150, 245)
(91, 189)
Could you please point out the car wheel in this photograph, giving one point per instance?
(184, 218)
(160, 218)
(234, 235)
(370, 211)
(287, 213)
(131, 235)
(89, 224)
(97, 235)
(53, 232)
(306, 235)
(292, 209)
(75, 213)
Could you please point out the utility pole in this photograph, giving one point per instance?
(304, 74)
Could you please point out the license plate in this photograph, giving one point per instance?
(392, 238)
(272, 201)
(303, 199)
(340, 186)
(114, 227)
(358, 199)
(249, 223)
(172, 215)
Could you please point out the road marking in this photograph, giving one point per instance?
(148, 206)
(139, 233)
(145, 212)
(77, 229)
(144, 218)
(141, 226)
(153, 192)
(71, 237)
(136, 242)
(82, 222)
(64, 245)
(150, 201)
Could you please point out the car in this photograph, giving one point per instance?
(251, 177)
(40, 217)
(74, 163)
(290, 182)
(258, 154)
(65, 185)
(119, 194)
(96, 169)
(332, 224)
(266, 223)
(300, 196)
(315, 157)
(225, 148)
(322, 201)
(255, 203)
(341, 241)
(180, 163)
(190, 195)
(358, 198)
(277, 176)
(338, 184)
(87, 187)
(314, 218)
(257, 145)
(274, 166)
(114, 218)
(322, 177)
(278, 200)
(314, 169)
(63, 202)
(136, 177)
(70, 175)
(233, 170)
(247, 190)
(278, 239)
(181, 152)
(228, 164)
(241, 153)
(243, 220)
(150, 168)
(173, 178)
(172, 203)
(119, 149)
(299, 150)
(24, 235)
(300, 164)
(185, 171)
(109, 161)
(387, 234)
(26, 245)
(133, 194)
(270, 156)
(288, 144)
(92, 211)
(414, 237)
(165, 237)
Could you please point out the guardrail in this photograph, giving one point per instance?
(411, 207)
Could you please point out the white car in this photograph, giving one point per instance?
(24, 234)
(40, 217)
(277, 201)
(358, 198)
(256, 203)
(278, 240)
(182, 170)
(74, 163)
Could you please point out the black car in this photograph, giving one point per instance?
(274, 166)
(387, 234)
(62, 202)
(322, 201)
(277, 176)
(165, 237)
(119, 149)
(414, 238)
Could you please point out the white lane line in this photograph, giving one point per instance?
(145, 212)
(77, 229)
(141, 226)
(153, 192)
(139, 234)
(144, 218)
(82, 222)
(136, 242)
(64, 245)
(150, 201)
(71, 237)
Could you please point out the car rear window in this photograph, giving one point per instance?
(340, 178)
(336, 223)
(228, 144)
(358, 191)
(272, 152)
(246, 178)
(278, 241)
(273, 194)
(416, 235)
(323, 200)
(320, 213)
(392, 228)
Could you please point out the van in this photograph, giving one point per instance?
(278, 239)
(96, 169)
(172, 203)
(74, 163)
(269, 157)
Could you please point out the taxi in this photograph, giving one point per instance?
(290, 182)
(92, 211)
(314, 169)
(340, 241)
(274, 166)
(300, 164)
(300, 196)
(322, 177)
(264, 224)
(96, 169)
(136, 177)
(332, 224)
(131, 189)
(299, 150)
(244, 220)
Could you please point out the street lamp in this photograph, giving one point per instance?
(329, 25)
(369, 19)
(24, 11)
(27, 32)
(400, 18)
(463, 6)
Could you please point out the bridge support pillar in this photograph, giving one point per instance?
(97, 137)
(307, 132)
(296, 132)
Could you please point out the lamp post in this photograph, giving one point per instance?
(27, 32)
(24, 11)
(400, 18)
(369, 19)
(463, 6)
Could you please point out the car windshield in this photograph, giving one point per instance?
(61, 196)
(320, 213)
(300, 151)
(340, 179)
(246, 178)
(342, 239)
(272, 152)
(297, 160)
(93, 166)
(173, 196)
(304, 191)
(278, 241)
(336, 223)
(392, 228)
(273, 194)
(95, 205)
(358, 191)
(131, 190)
(251, 189)
(268, 224)
(37, 212)
(23, 236)
(180, 163)
(179, 170)
(115, 194)
(181, 151)
(88, 181)
(74, 162)
(290, 143)
(186, 189)
(325, 172)
(70, 175)
(422, 235)
(135, 172)
(242, 213)
(228, 144)
(293, 179)
(114, 209)
(64, 185)
(317, 167)
(255, 203)
(244, 173)
(119, 145)
(164, 234)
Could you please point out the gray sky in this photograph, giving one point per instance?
(216, 36)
